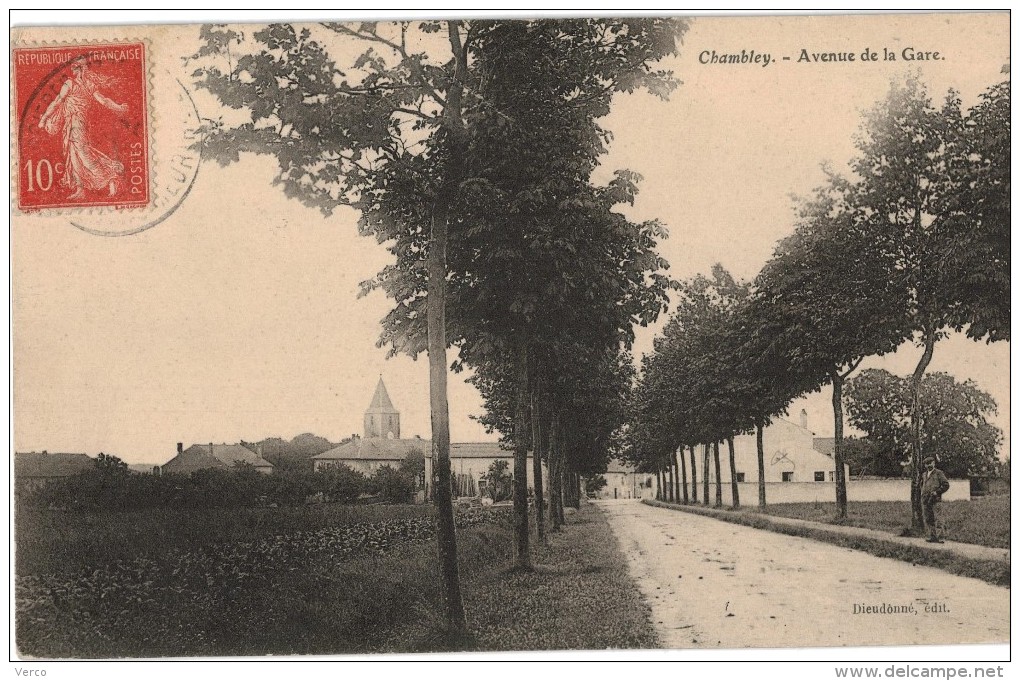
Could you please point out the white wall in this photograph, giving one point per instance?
(808, 492)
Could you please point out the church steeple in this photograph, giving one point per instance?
(381, 418)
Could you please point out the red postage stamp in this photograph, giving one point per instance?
(82, 124)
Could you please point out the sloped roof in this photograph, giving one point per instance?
(375, 449)
(381, 401)
(617, 466)
(197, 457)
(46, 465)
(824, 445)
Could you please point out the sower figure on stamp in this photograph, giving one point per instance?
(933, 485)
(85, 167)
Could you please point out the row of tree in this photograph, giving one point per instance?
(468, 147)
(911, 245)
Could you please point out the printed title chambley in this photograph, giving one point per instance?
(745, 57)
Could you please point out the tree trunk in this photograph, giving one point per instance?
(705, 475)
(561, 478)
(539, 435)
(554, 473)
(658, 483)
(435, 312)
(683, 472)
(916, 518)
(718, 475)
(676, 476)
(669, 481)
(694, 475)
(734, 488)
(574, 488)
(522, 429)
(837, 449)
(760, 441)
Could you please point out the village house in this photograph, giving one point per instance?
(32, 470)
(624, 482)
(795, 470)
(790, 455)
(382, 445)
(226, 456)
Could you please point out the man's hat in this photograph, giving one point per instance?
(928, 460)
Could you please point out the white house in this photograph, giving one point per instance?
(795, 471)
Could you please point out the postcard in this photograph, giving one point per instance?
(490, 335)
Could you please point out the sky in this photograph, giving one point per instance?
(238, 317)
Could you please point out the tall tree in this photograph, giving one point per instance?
(385, 135)
(925, 179)
(532, 213)
(827, 301)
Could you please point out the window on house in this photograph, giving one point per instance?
(832, 475)
(740, 477)
(788, 476)
(819, 476)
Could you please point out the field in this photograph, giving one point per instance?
(310, 580)
(984, 520)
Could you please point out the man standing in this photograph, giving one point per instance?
(933, 485)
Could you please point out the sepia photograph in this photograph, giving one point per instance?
(588, 335)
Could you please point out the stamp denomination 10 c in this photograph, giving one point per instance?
(82, 126)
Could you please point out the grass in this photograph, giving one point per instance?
(578, 597)
(995, 572)
(983, 521)
(273, 581)
(57, 542)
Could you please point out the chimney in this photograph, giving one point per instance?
(180, 448)
(803, 419)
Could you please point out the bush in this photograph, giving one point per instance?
(396, 487)
(340, 483)
(240, 487)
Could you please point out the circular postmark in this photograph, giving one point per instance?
(176, 161)
(103, 140)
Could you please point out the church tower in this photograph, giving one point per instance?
(381, 418)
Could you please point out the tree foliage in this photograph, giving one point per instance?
(954, 422)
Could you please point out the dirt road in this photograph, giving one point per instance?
(714, 584)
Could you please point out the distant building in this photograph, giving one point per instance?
(34, 469)
(799, 468)
(472, 460)
(381, 418)
(383, 446)
(791, 455)
(367, 454)
(624, 482)
(227, 456)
